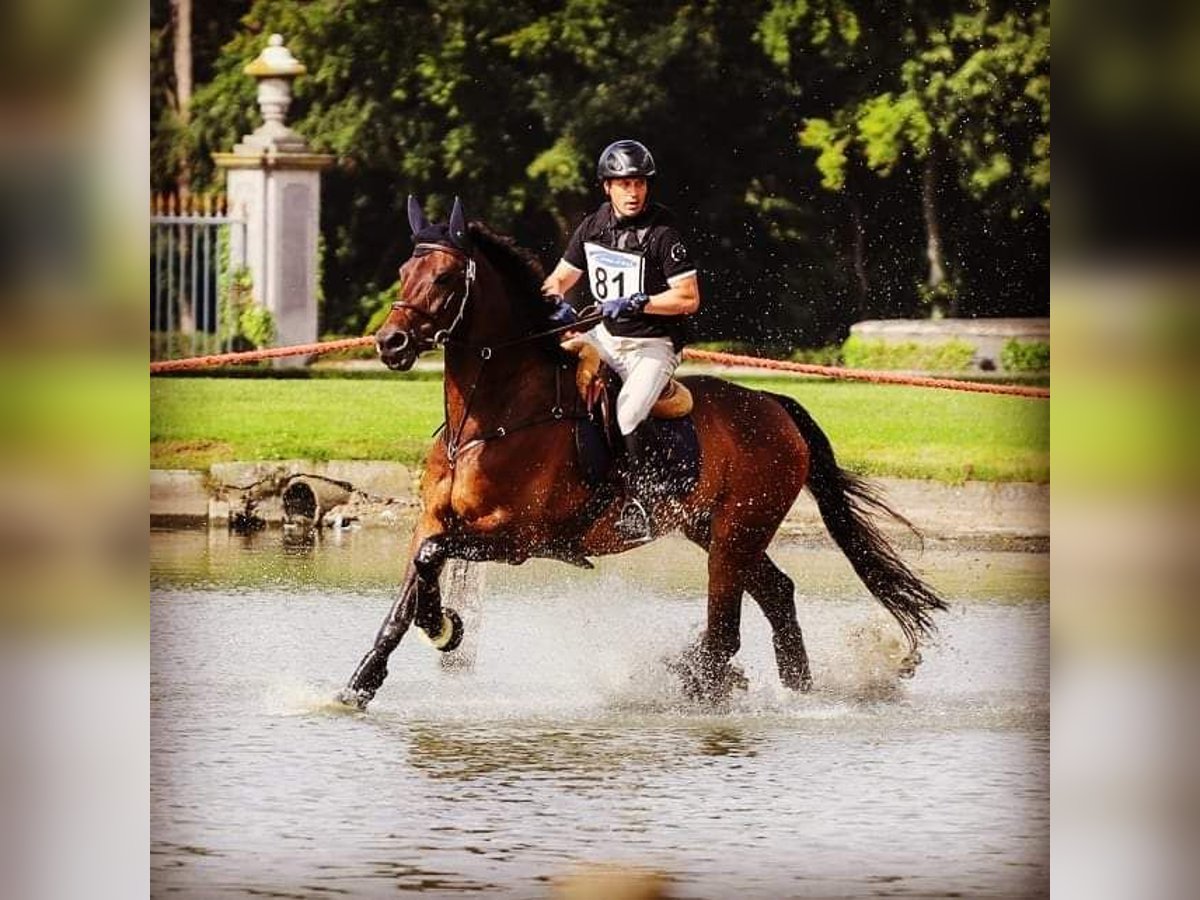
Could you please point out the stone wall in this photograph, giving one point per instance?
(385, 495)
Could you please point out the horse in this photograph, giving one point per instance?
(504, 481)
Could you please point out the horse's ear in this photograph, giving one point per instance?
(416, 216)
(458, 225)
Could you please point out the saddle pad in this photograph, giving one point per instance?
(595, 459)
(672, 451)
(673, 454)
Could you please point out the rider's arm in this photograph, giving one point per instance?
(681, 298)
(562, 279)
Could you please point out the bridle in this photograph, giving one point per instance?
(445, 336)
(441, 336)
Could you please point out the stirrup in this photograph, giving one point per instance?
(633, 524)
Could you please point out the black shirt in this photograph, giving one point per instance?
(623, 256)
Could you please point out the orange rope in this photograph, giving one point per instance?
(729, 359)
(221, 359)
(724, 359)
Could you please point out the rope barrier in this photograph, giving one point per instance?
(723, 359)
(950, 384)
(222, 359)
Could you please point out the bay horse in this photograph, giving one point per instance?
(503, 481)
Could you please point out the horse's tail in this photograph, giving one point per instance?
(847, 503)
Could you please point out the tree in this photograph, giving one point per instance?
(968, 90)
(178, 61)
(181, 22)
(508, 105)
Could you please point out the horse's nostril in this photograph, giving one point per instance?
(394, 340)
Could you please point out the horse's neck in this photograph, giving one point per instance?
(482, 395)
(492, 374)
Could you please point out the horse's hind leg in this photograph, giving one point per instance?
(773, 591)
(733, 552)
(712, 675)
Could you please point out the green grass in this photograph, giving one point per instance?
(875, 429)
(195, 422)
(910, 432)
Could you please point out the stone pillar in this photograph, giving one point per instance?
(273, 183)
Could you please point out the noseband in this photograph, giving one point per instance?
(441, 336)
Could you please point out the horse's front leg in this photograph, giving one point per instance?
(372, 670)
(419, 603)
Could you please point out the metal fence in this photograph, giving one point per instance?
(190, 275)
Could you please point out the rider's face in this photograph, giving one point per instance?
(627, 195)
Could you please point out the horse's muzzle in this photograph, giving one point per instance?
(396, 347)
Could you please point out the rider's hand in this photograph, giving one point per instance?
(634, 303)
(564, 313)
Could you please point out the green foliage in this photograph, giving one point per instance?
(821, 135)
(948, 356)
(244, 324)
(381, 305)
(1025, 356)
(829, 355)
(938, 300)
(257, 325)
(974, 79)
(886, 125)
(561, 168)
(507, 106)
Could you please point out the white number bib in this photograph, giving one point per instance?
(613, 273)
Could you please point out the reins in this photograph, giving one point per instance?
(444, 338)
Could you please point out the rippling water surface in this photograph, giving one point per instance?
(567, 741)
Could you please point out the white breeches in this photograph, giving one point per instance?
(645, 366)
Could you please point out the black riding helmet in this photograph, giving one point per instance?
(625, 159)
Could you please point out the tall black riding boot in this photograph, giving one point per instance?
(634, 522)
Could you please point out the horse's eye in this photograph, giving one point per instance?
(443, 277)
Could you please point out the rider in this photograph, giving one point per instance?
(644, 283)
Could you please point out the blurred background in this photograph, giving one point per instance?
(801, 137)
(830, 160)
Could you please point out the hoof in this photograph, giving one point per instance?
(451, 634)
(353, 699)
(797, 680)
(908, 665)
(701, 684)
(735, 679)
(803, 684)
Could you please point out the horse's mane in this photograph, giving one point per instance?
(517, 266)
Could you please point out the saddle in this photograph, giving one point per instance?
(593, 377)
(672, 446)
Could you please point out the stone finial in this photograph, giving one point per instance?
(276, 61)
(275, 69)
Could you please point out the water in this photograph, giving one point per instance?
(567, 742)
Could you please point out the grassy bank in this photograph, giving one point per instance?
(879, 430)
